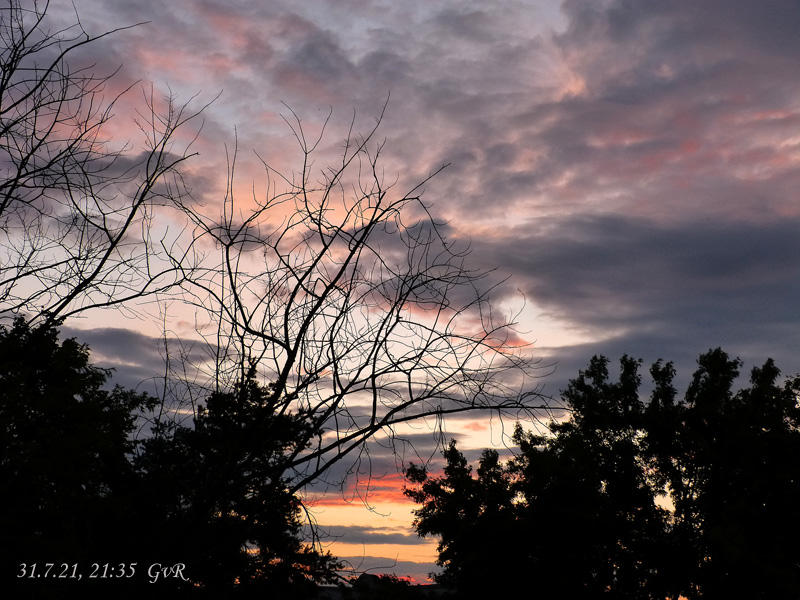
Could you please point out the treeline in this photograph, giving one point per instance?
(695, 496)
(102, 481)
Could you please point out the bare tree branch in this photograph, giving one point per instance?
(76, 211)
(348, 297)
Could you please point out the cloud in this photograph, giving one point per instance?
(356, 534)
(633, 166)
(138, 360)
(615, 111)
(674, 289)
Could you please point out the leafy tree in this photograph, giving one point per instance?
(588, 490)
(386, 587)
(471, 514)
(65, 447)
(572, 514)
(80, 488)
(579, 511)
(730, 465)
(220, 498)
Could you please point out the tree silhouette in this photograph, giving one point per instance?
(80, 489)
(588, 487)
(575, 513)
(387, 587)
(572, 514)
(472, 515)
(342, 292)
(345, 294)
(730, 465)
(65, 447)
(219, 500)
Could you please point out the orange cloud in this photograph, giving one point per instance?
(387, 489)
(477, 426)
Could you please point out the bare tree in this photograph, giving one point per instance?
(76, 210)
(345, 295)
(341, 292)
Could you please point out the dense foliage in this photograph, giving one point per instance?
(218, 488)
(79, 488)
(697, 496)
(64, 449)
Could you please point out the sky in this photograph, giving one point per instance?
(629, 168)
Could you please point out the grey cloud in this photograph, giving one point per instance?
(382, 457)
(318, 56)
(474, 25)
(355, 534)
(656, 109)
(650, 347)
(614, 271)
(138, 360)
(660, 291)
(667, 127)
(384, 66)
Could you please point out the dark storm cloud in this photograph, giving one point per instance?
(615, 272)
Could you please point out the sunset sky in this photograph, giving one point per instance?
(632, 167)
